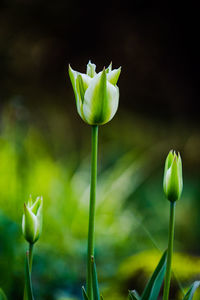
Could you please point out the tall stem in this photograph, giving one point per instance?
(30, 256)
(169, 251)
(93, 183)
(30, 265)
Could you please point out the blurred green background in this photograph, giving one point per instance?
(45, 146)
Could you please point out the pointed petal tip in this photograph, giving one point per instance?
(103, 73)
(70, 68)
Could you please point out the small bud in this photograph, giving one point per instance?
(173, 180)
(32, 220)
(97, 95)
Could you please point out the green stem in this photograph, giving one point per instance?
(30, 265)
(92, 209)
(169, 251)
(30, 256)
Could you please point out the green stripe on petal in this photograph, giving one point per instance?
(172, 181)
(36, 205)
(85, 80)
(101, 100)
(109, 68)
(73, 76)
(96, 102)
(29, 224)
(168, 163)
(80, 83)
(113, 76)
(80, 88)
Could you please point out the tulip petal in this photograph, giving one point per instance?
(113, 98)
(101, 100)
(109, 68)
(113, 76)
(36, 205)
(80, 83)
(168, 163)
(85, 80)
(172, 181)
(91, 69)
(73, 77)
(30, 201)
(180, 173)
(95, 101)
(80, 88)
(29, 224)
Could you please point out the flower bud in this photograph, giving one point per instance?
(32, 220)
(173, 180)
(97, 95)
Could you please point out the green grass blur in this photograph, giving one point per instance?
(46, 152)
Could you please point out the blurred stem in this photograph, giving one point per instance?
(30, 255)
(93, 183)
(169, 251)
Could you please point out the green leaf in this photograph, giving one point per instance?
(153, 287)
(85, 297)
(189, 295)
(133, 295)
(29, 291)
(101, 297)
(95, 284)
(2, 295)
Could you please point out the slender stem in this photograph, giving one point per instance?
(169, 251)
(30, 256)
(92, 209)
(30, 251)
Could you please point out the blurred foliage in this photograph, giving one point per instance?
(140, 266)
(45, 147)
(184, 266)
(46, 153)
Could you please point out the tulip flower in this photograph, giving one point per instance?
(173, 181)
(172, 185)
(97, 94)
(97, 98)
(32, 220)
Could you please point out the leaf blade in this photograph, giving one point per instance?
(153, 286)
(85, 297)
(95, 284)
(133, 295)
(190, 293)
(2, 295)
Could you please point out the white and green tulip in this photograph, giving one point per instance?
(32, 220)
(97, 94)
(173, 179)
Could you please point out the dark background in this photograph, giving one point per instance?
(156, 45)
